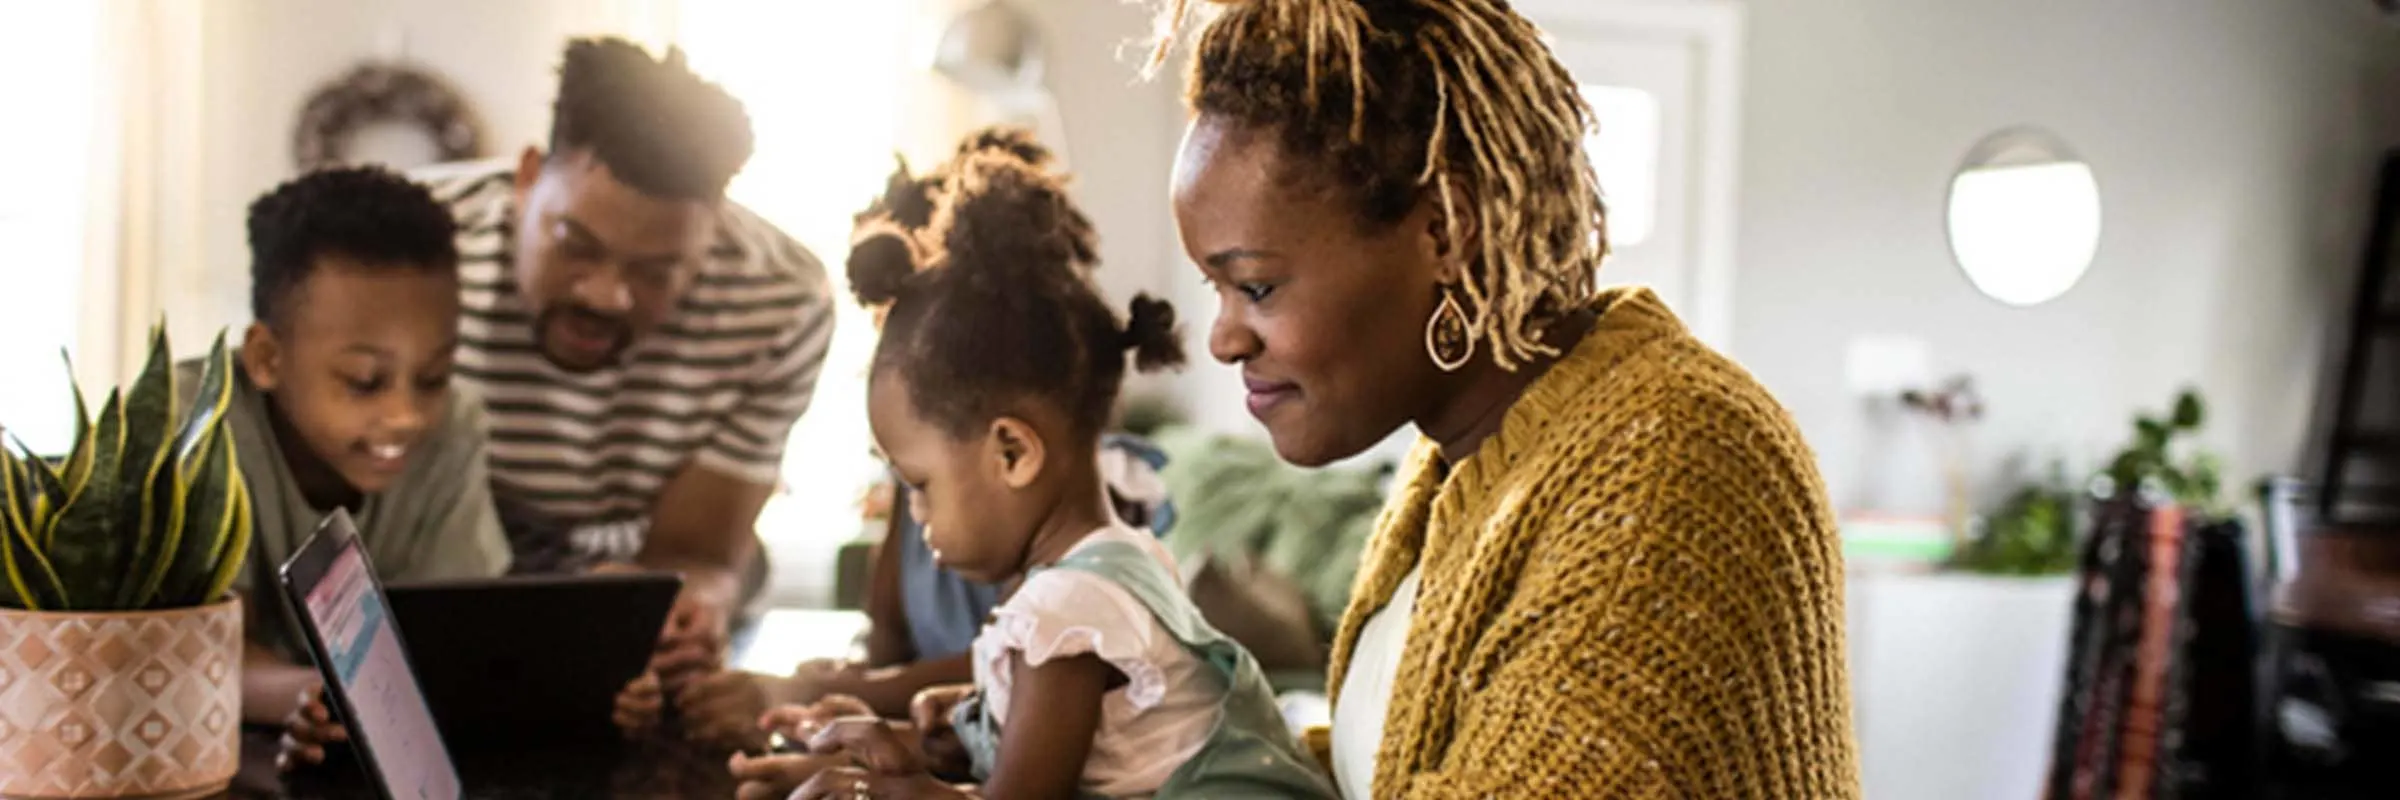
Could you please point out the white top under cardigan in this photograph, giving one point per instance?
(1367, 691)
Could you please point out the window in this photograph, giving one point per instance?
(823, 84)
(48, 64)
(1624, 153)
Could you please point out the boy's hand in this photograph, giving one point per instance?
(640, 705)
(774, 777)
(307, 731)
(852, 783)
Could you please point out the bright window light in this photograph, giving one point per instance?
(50, 64)
(1624, 153)
(2025, 233)
(823, 85)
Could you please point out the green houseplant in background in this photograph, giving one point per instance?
(2039, 529)
(2152, 460)
(120, 645)
(2034, 532)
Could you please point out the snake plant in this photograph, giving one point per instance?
(147, 511)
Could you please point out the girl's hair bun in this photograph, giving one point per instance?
(1006, 222)
(1150, 333)
(882, 260)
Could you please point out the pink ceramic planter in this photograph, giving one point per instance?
(136, 704)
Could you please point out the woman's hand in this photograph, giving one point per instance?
(640, 705)
(818, 677)
(307, 731)
(852, 783)
(868, 742)
(800, 722)
(773, 777)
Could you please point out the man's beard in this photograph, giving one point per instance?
(622, 336)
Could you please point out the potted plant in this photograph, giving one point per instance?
(2034, 532)
(2150, 462)
(120, 644)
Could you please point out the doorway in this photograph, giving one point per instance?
(1664, 80)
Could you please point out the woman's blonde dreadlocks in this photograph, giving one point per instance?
(1460, 96)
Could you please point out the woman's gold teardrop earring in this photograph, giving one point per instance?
(1448, 339)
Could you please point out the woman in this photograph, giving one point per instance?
(1608, 568)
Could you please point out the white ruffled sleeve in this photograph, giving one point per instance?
(1062, 613)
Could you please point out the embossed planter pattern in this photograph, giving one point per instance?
(141, 704)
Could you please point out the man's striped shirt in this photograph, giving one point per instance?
(719, 384)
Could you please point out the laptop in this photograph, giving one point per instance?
(385, 689)
(504, 661)
(368, 679)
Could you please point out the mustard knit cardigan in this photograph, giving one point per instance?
(1633, 590)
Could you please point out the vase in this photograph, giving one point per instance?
(120, 704)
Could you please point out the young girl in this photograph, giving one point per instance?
(996, 371)
(922, 619)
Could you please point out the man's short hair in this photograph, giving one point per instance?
(657, 127)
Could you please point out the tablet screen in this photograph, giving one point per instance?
(388, 713)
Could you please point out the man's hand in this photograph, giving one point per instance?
(640, 705)
(306, 732)
(693, 642)
(703, 525)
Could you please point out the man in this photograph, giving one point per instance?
(643, 345)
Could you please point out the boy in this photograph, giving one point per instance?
(343, 399)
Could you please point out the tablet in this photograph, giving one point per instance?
(513, 662)
(368, 679)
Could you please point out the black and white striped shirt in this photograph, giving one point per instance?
(719, 384)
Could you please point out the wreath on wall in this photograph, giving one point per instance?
(375, 93)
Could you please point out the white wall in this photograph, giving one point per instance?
(263, 58)
(1121, 134)
(2233, 142)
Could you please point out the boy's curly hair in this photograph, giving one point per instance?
(369, 214)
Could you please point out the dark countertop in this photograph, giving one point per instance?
(660, 768)
(657, 769)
